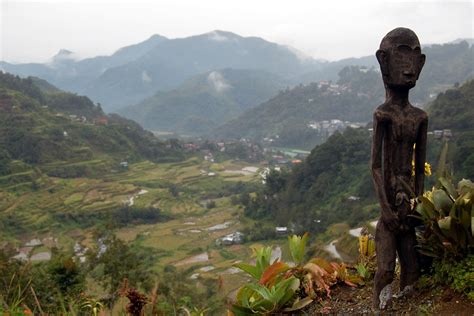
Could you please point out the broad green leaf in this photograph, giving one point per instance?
(256, 298)
(241, 311)
(426, 208)
(297, 246)
(449, 187)
(263, 257)
(299, 304)
(243, 296)
(261, 290)
(465, 185)
(465, 217)
(293, 286)
(252, 270)
(442, 201)
(445, 223)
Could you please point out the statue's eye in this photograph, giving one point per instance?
(417, 50)
(404, 48)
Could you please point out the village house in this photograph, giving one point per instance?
(281, 230)
(231, 239)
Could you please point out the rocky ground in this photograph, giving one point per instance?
(424, 301)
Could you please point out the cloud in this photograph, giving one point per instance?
(146, 77)
(217, 81)
(218, 37)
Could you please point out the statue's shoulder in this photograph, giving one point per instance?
(419, 113)
(382, 112)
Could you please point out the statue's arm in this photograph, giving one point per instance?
(388, 216)
(420, 157)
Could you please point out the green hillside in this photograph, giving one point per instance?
(59, 132)
(316, 193)
(358, 91)
(454, 110)
(288, 114)
(205, 101)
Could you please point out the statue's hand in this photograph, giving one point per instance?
(391, 220)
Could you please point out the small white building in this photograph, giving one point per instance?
(281, 230)
(231, 239)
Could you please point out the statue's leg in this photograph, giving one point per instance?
(409, 271)
(385, 246)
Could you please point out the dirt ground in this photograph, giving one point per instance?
(355, 301)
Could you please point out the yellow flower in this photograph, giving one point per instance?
(427, 169)
(428, 195)
(427, 166)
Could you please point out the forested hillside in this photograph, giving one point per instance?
(454, 110)
(205, 101)
(58, 132)
(353, 97)
(315, 194)
(288, 114)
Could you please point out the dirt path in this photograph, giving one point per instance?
(356, 301)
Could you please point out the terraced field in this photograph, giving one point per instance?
(67, 208)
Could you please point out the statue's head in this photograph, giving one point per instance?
(400, 58)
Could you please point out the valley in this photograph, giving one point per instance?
(228, 144)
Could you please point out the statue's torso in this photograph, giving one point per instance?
(401, 128)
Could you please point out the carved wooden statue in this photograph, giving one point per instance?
(399, 137)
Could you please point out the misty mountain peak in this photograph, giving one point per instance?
(64, 55)
(222, 36)
(156, 37)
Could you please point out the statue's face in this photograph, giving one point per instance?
(401, 64)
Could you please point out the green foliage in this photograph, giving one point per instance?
(5, 160)
(297, 246)
(66, 274)
(259, 299)
(205, 101)
(259, 231)
(448, 215)
(56, 284)
(288, 113)
(262, 261)
(363, 270)
(133, 215)
(92, 305)
(459, 275)
(117, 261)
(286, 288)
(314, 194)
(453, 110)
(44, 128)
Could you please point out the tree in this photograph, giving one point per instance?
(120, 261)
(5, 160)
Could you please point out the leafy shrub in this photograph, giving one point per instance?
(457, 275)
(447, 215)
(286, 288)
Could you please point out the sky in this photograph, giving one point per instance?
(33, 31)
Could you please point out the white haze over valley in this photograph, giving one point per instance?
(34, 31)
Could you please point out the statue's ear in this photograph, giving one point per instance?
(383, 61)
(421, 63)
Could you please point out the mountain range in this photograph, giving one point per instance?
(138, 71)
(205, 101)
(66, 135)
(353, 97)
(192, 85)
